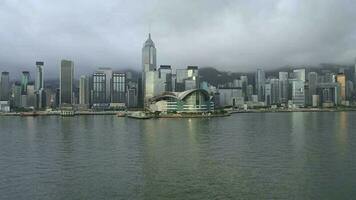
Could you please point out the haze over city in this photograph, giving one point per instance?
(229, 35)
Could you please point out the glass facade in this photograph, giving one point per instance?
(39, 84)
(118, 88)
(84, 94)
(99, 89)
(66, 82)
(24, 82)
(5, 86)
(260, 84)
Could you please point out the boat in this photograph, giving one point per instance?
(121, 114)
(139, 115)
(29, 114)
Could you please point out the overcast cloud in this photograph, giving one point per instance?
(232, 35)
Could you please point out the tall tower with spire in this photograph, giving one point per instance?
(148, 69)
(149, 55)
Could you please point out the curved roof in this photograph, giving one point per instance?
(186, 93)
(180, 95)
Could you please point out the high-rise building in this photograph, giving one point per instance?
(329, 94)
(299, 74)
(244, 83)
(328, 77)
(118, 88)
(181, 75)
(4, 86)
(149, 55)
(312, 83)
(148, 66)
(249, 92)
(187, 79)
(25, 78)
(283, 87)
(84, 90)
(298, 93)
(30, 96)
(17, 90)
(41, 98)
(66, 82)
(274, 91)
(39, 83)
(165, 76)
(151, 78)
(131, 97)
(341, 80)
(108, 79)
(39, 86)
(260, 84)
(349, 89)
(99, 88)
(355, 74)
(131, 92)
(283, 76)
(193, 76)
(268, 94)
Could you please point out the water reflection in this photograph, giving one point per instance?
(298, 131)
(341, 131)
(245, 156)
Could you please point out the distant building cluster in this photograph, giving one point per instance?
(297, 88)
(159, 89)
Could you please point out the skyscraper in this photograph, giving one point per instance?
(274, 91)
(260, 84)
(312, 82)
(39, 84)
(25, 78)
(17, 90)
(192, 81)
(341, 80)
(244, 83)
(165, 76)
(66, 82)
(118, 88)
(108, 79)
(99, 88)
(355, 74)
(181, 75)
(283, 87)
(4, 86)
(149, 55)
(299, 74)
(187, 79)
(30, 96)
(148, 66)
(268, 94)
(84, 92)
(298, 93)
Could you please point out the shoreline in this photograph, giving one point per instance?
(293, 110)
(229, 112)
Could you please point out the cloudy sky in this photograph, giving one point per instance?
(232, 35)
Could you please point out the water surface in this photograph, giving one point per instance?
(245, 156)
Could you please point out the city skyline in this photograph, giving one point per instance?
(230, 35)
